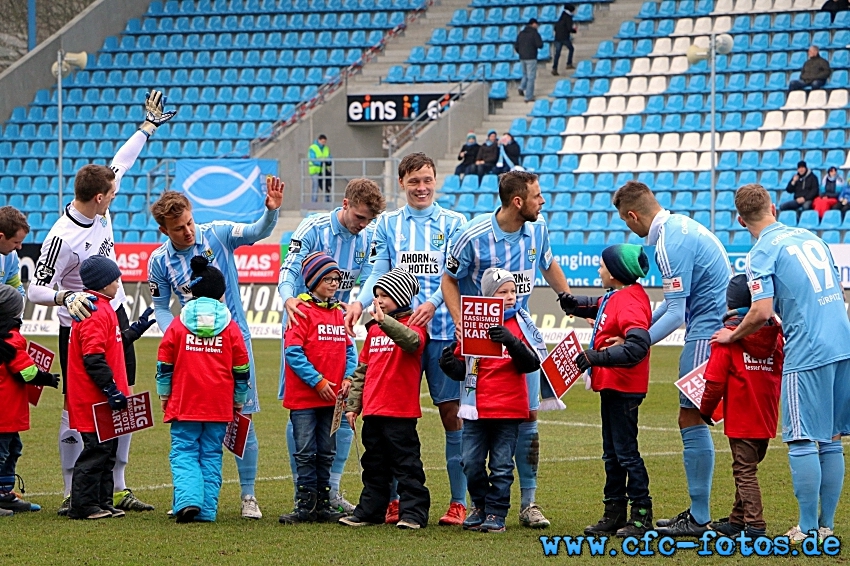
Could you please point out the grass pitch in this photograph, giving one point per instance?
(570, 490)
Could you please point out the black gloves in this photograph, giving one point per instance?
(707, 419)
(501, 335)
(454, 368)
(45, 379)
(567, 302)
(585, 360)
(135, 331)
(115, 398)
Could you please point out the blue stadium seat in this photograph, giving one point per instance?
(831, 220)
(809, 220)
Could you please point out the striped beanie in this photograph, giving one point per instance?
(316, 266)
(626, 262)
(399, 284)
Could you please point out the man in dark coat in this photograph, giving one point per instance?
(804, 187)
(564, 28)
(467, 155)
(815, 72)
(527, 43)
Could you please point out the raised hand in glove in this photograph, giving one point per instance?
(155, 114)
(567, 302)
(140, 326)
(451, 366)
(45, 379)
(80, 305)
(115, 398)
(501, 334)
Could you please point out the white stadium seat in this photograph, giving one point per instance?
(608, 162)
(591, 144)
(657, 85)
(704, 163)
(685, 26)
(722, 24)
(701, 26)
(660, 66)
(596, 105)
(638, 85)
(667, 161)
(649, 142)
(774, 120)
(815, 120)
(751, 141)
(616, 105)
(741, 7)
(640, 66)
(687, 161)
(730, 141)
(588, 163)
(619, 85)
(796, 100)
(771, 140)
(837, 98)
(575, 125)
(816, 99)
(762, 6)
(631, 142)
(626, 163)
(636, 105)
(669, 142)
(593, 125)
(572, 144)
(611, 143)
(646, 162)
(679, 65)
(613, 125)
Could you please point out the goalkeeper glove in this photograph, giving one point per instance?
(155, 114)
(80, 305)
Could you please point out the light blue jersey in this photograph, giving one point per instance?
(417, 241)
(480, 244)
(325, 233)
(796, 269)
(694, 266)
(169, 272)
(10, 271)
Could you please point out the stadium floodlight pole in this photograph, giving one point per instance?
(718, 44)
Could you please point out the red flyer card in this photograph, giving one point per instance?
(237, 434)
(559, 367)
(478, 314)
(692, 385)
(136, 416)
(43, 358)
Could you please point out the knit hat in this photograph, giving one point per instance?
(207, 281)
(316, 266)
(738, 293)
(491, 132)
(399, 284)
(98, 271)
(626, 262)
(802, 164)
(470, 136)
(11, 302)
(492, 279)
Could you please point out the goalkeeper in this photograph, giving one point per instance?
(85, 230)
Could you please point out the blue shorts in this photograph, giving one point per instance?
(533, 381)
(816, 403)
(252, 403)
(694, 354)
(441, 387)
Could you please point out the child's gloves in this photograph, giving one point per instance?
(45, 379)
(454, 368)
(707, 419)
(502, 335)
(115, 398)
(586, 359)
(567, 302)
(135, 331)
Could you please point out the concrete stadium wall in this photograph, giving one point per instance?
(86, 32)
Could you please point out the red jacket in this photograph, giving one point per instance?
(747, 375)
(15, 415)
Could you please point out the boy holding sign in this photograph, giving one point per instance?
(96, 373)
(494, 402)
(199, 404)
(17, 370)
(318, 356)
(620, 374)
(746, 375)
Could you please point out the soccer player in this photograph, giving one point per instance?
(415, 237)
(83, 231)
(13, 229)
(791, 271)
(695, 272)
(515, 238)
(169, 271)
(345, 234)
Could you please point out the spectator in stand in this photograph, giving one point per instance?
(510, 155)
(815, 72)
(804, 187)
(488, 155)
(319, 167)
(526, 45)
(842, 188)
(834, 6)
(467, 155)
(564, 28)
(831, 186)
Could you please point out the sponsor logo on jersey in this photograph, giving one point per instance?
(106, 247)
(373, 249)
(438, 239)
(154, 287)
(452, 264)
(43, 272)
(755, 286)
(103, 221)
(208, 253)
(673, 285)
(88, 245)
(295, 246)
(359, 257)
(531, 253)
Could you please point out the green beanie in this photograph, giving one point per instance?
(626, 262)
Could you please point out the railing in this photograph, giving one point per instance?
(325, 192)
(305, 106)
(411, 130)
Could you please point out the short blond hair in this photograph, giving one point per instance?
(170, 205)
(753, 202)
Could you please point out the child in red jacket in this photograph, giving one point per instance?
(495, 403)
(385, 390)
(17, 370)
(747, 376)
(620, 374)
(96, 374)
(199, 404)
(319, 355)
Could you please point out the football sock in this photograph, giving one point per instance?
(527, 458)
(806, 478)
(831, 456)
(698, 456)
(70, 446)
(122, 456)
(454, 453)
(247, 466)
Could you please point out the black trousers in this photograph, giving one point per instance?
(91, 486)
(392, 451)
(129, 350)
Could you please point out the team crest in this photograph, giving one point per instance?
(208, 253)
(359, 257)
(103, 221)
(438, 240)
(532, 254)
